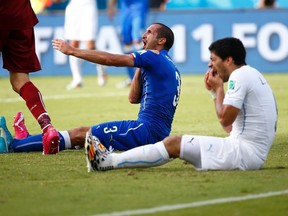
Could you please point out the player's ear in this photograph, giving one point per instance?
(162, 41)
(230, 60)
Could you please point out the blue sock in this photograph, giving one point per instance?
(31, 144)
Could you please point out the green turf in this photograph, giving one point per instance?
(34, 184)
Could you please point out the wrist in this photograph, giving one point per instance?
(213, 94)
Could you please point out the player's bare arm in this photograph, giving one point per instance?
(111, 9)
(136, 88)
(95, 56)
(225, 113)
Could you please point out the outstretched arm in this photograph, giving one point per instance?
(95, 56)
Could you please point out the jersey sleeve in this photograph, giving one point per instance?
(143, 58)
(236, 90)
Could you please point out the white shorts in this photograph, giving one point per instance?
(220, 153)
(81, 20)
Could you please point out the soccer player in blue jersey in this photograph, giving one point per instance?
(156, 86)
(133, 20)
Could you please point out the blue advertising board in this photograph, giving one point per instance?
(263, 32)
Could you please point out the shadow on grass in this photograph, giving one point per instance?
(274, 168)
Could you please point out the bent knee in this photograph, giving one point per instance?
(172, 145)
(79, 133)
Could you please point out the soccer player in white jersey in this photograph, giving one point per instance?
(81, 23)
(248, 112)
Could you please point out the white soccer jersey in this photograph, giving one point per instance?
(81, 20)
(253, 130)
(256, 123)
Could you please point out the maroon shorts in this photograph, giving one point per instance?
(18, 50)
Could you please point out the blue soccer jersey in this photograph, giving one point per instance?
(161, 90)
(160, 95)
(133, 15)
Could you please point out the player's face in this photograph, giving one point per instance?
(149, 38)
(219, 65)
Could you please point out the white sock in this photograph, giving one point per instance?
(67, 139)
(101, 70)
(143, 156)
(75, 65)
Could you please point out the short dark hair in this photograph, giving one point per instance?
(227, 47)
(165, 32)
(269, 3)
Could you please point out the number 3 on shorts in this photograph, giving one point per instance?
(110, 130)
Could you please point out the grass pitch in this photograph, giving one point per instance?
(34, 184)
